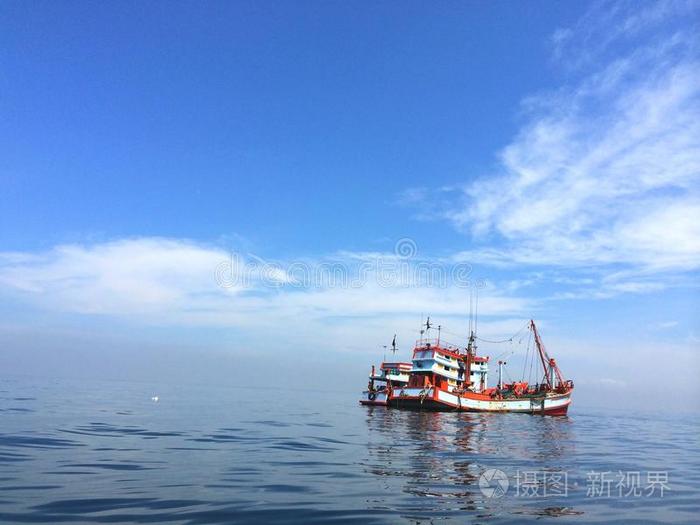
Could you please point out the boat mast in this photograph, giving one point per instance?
(471, 344)
(540, 349)
(471, 352)
(549, 365)
(471, 309)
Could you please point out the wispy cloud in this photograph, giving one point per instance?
(607, 23)
(427, 204)
(665, 325)
(178, 282)
(606, 170)
(133, 276)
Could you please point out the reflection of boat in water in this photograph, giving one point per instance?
(443, 377)
(430, 463)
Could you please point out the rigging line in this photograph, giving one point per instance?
(449, 332)
(532, 358)
(506, 371)
(524, 327)
(527, 353)
(505, 355)
(461, 336)
(510, 339)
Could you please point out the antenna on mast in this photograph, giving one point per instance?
(471, 294)
(421, 329)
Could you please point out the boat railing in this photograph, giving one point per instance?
(447, 345)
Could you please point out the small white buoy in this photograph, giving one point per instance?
(154, 399)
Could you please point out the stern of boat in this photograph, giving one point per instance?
(374, 398)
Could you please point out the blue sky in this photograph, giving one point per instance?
(554, 147)
(264, 119)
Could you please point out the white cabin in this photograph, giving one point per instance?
(449, 364)
(397, 373)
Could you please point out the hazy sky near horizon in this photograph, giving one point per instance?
(205, 191)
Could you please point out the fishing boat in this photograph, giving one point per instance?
(446, 378)
(389, 376)
(381, 383)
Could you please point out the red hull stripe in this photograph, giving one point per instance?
(435, 404)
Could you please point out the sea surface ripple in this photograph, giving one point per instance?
(106, 452)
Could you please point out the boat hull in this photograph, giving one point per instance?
(552, 404)
(378, 399)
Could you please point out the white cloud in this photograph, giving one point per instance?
(606, 172)
(605, 382)
(173, 283)
(170, 281)
(665, 325)
(131, 276)
(607, 23)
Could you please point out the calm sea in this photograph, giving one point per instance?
(105, 452)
